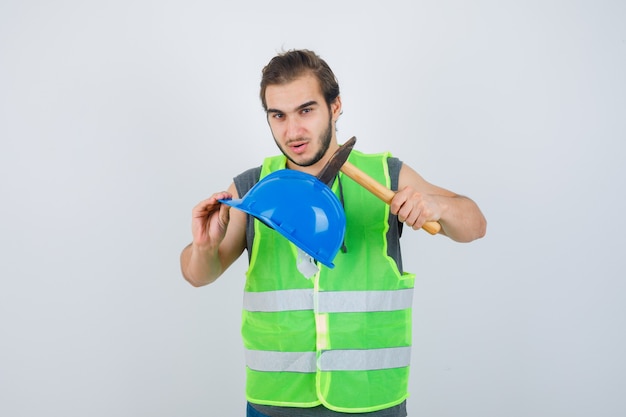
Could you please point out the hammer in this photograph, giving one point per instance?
(339, 162)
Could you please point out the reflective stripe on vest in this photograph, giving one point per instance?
(328, 301)
(330, 360)
(283, 300)
(263, 360)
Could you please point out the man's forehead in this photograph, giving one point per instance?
(293, 94)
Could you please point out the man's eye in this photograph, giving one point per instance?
(307, 110)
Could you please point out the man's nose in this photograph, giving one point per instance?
(294, 128)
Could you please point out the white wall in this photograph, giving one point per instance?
(117, 117)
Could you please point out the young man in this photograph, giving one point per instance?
(338, 343)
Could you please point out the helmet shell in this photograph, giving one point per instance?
(301, 208)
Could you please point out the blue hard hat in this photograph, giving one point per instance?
(301, 208)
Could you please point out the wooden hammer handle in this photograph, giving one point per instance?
(380, 191)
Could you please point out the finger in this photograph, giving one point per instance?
(222, 195)
(397, 203)
(409, 215)
(224, 214)
(203, 207)
(210, 204)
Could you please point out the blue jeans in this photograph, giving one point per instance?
(251, 412)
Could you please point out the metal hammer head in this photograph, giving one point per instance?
(329, 172)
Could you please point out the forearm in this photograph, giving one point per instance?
(200, 266)
(461, 219)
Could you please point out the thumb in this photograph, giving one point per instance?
(224, 215)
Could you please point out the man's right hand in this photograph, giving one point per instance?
(219, 238)
(210, 220)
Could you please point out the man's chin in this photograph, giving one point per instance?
(303, 163)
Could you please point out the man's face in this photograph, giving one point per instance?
(302, 124)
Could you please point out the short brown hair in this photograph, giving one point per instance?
(288, 66)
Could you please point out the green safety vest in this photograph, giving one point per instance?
(343, 337)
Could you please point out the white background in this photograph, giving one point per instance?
(116, 117)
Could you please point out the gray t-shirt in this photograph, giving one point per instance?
(243, 183)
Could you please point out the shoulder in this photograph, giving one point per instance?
(392, 161)
(246, 180)
(394, 164)
(248, 174)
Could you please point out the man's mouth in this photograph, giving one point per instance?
(298, 147)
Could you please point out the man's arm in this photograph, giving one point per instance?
(418, 201)
(219, 238)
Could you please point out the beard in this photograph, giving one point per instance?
(324, 140)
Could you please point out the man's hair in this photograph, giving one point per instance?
(289, 65)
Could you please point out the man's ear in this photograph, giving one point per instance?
(335, 108)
